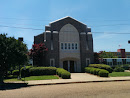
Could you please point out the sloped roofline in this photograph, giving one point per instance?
(64, 18)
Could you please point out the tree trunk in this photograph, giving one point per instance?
(1, 79)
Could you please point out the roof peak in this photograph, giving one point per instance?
(64, 18)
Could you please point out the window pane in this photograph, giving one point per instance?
(76, 46)
(62, 46)
(68, 45)
(65, 45)
(72, 45)
(51, 62)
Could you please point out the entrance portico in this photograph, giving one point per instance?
(70, 64)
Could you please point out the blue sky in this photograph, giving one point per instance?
(107, 16)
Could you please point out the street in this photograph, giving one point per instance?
(80, 90)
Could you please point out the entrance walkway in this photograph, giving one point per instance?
(77, 78)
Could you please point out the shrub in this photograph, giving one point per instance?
(97, 71)
(103, 73)
(37, 71)
(15, 72)
(25, 72)
(63, 73)
(87, 69)
(92, 70)
(102, 66)
(126, 66)
(119, 69)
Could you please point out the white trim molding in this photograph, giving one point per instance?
(83, 33)
(55, 32)
(48, 31)
(89, 33)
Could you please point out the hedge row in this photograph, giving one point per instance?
(102, 66)
(25, 71)
(97, 71)
(63, 73)
(119, 69)
(15, 72)
(36, 71)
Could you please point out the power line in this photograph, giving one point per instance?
(64, 31)
(19, 27)
(25, 19)
(109, 25)
(112, 32)
(57, 19)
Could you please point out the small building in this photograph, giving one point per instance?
(69, 43)
(115, 61)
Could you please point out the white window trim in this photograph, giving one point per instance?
(53, 62)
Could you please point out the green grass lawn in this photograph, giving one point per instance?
(119, 74)
(45, 77)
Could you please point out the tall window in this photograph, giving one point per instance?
(65, 45)
(62, 46)
(87, 61)
(51, 45)
(76, 46)
(72, 45)
(68, 45)
(52, 62)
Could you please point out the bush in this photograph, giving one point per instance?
(25, 72)
(37, 71)
(63, 73)
(15, 72)
(102, 66)
(126, 66)
(97, 71)
(87, 69)
(119, 69)
(92, 70)
(103, 73)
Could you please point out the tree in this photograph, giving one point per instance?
(12, 53)
(104, 54)
(37, 53)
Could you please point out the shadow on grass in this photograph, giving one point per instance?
(8, 86)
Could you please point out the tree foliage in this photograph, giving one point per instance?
(12, 53)
(37, 53)
(104, 54)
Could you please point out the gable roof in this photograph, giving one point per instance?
(66, 18)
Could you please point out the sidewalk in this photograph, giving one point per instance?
(78, 78)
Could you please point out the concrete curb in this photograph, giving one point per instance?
(77, 82)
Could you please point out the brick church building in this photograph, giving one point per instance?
(69, 43)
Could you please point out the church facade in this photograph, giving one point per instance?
(69, 43)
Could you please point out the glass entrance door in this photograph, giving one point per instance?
(65, 65)
(69, 65)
